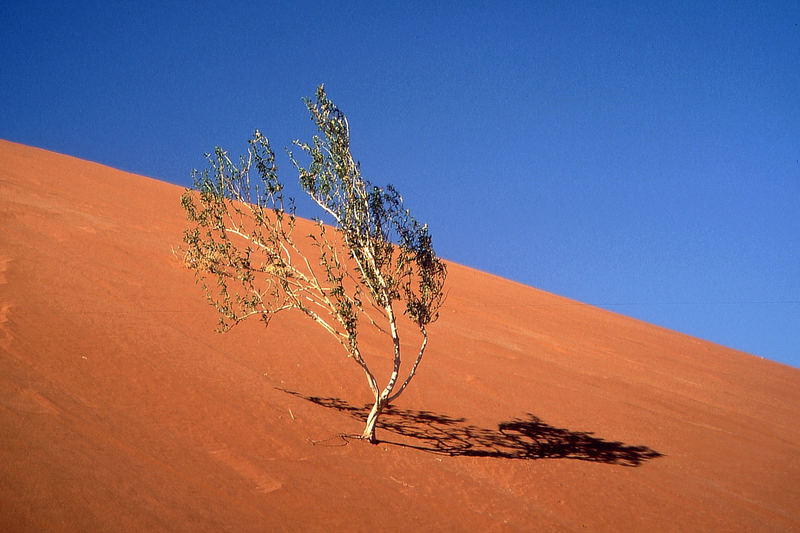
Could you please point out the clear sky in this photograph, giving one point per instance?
(644, 159)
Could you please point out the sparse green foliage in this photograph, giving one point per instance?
(242, 248)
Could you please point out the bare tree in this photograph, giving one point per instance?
(371, 259)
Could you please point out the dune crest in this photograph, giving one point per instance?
(122, 410)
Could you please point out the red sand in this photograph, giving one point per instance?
(122, 410)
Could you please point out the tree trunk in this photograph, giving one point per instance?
(372, 419)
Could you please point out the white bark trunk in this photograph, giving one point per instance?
(372, 419)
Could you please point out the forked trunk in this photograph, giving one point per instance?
(372, 419)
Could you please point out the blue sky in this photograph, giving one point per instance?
(645, 158)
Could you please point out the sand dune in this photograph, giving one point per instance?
(122, 410)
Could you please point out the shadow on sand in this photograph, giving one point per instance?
(519, 438)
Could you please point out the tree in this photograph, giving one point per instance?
(372, 258)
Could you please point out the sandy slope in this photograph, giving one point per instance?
(122, 410)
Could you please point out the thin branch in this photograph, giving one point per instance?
(413, 370)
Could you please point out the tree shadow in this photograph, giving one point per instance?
(519, 438)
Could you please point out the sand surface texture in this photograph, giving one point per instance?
(122, 410)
